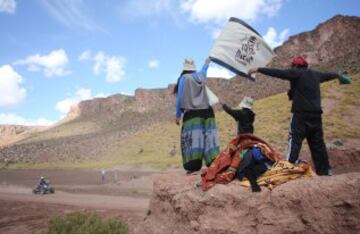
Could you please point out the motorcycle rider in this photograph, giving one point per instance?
(43, 183)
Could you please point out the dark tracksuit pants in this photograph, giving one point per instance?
(309, 126)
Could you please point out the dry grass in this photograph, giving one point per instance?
(72, 128)
(272, 122)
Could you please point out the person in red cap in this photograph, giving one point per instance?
(306, 119)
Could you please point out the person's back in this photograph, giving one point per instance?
(246, 121)
(244, 117)
(305, 87)
(199, 135)
(306, 91)
(306, 112)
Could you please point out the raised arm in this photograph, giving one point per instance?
(203, 72)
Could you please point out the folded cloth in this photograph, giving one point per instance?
(282, 172)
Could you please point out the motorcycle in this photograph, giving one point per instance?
(43, 189)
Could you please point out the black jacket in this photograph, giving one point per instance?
(244, 117)
(305, 86)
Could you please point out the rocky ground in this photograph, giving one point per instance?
(312, 205)
(309, 205)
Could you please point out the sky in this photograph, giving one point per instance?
(56, 53)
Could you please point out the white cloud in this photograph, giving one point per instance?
(219, 72)
(71, 13)
(53, 64)
(274, 39)
(154, 63)
(84, 56)
(18, 120)
(8, 6)
(11, 91)
(101, 95)
(112, 66)
(219, 11)
(114, 69)
(127, 93)
(81, 94)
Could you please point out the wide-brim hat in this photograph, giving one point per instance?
(189, 65)
(247, 102)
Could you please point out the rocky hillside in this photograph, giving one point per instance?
(98, 128)
(13, 133)
(331, 45)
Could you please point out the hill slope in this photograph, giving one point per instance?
(152, 145)
(341, 121)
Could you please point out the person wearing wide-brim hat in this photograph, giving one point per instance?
(199, 133)
(306, 112)
(244, 116)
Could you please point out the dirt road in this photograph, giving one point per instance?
(126, 198)
(95, 201)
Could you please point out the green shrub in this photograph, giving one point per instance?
(80, 223)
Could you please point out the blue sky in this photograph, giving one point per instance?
(55, 53)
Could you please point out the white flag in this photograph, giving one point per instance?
(213, 99)
(239, 47)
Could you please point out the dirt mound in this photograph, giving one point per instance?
(345, 160)
(315, 205)
(344, 155)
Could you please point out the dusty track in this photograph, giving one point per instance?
(127, 198)
(82, 200)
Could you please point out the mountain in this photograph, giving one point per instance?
(13, 133)
(331, 45)
(117, 126)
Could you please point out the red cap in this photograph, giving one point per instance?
(299, 61)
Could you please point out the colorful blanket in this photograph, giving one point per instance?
(223, 168)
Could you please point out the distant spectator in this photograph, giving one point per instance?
(103, 172)
(173, 151)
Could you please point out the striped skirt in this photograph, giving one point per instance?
(199, 139)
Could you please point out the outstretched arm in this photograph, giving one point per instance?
(288, 74)
(328, 76)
